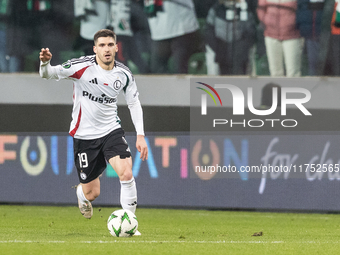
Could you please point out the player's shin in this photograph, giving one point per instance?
(128, 195)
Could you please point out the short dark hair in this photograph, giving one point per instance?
(105, 33)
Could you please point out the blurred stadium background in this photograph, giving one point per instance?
(36, 156)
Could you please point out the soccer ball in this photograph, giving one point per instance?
(122, 223)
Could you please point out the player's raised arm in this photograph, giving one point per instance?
(46, 70)
(45, 55)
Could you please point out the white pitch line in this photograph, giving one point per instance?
(141, 241)
(166, 241)
(30, 241)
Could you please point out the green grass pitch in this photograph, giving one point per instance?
(62, 230)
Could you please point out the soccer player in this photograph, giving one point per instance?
(95, 127)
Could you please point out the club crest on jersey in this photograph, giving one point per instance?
(66, 65)
(83, 176)
(117, 84)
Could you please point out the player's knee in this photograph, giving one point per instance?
(127, 175)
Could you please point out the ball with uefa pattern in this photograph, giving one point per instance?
(122, 223)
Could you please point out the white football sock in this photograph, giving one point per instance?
(80, 194)
(128, 195)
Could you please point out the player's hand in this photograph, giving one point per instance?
(142, 147)
(45, 55)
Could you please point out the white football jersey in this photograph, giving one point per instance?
(95, 93)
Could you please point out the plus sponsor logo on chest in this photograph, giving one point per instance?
(103, 99)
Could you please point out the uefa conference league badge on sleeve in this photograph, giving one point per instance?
(66, 64)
